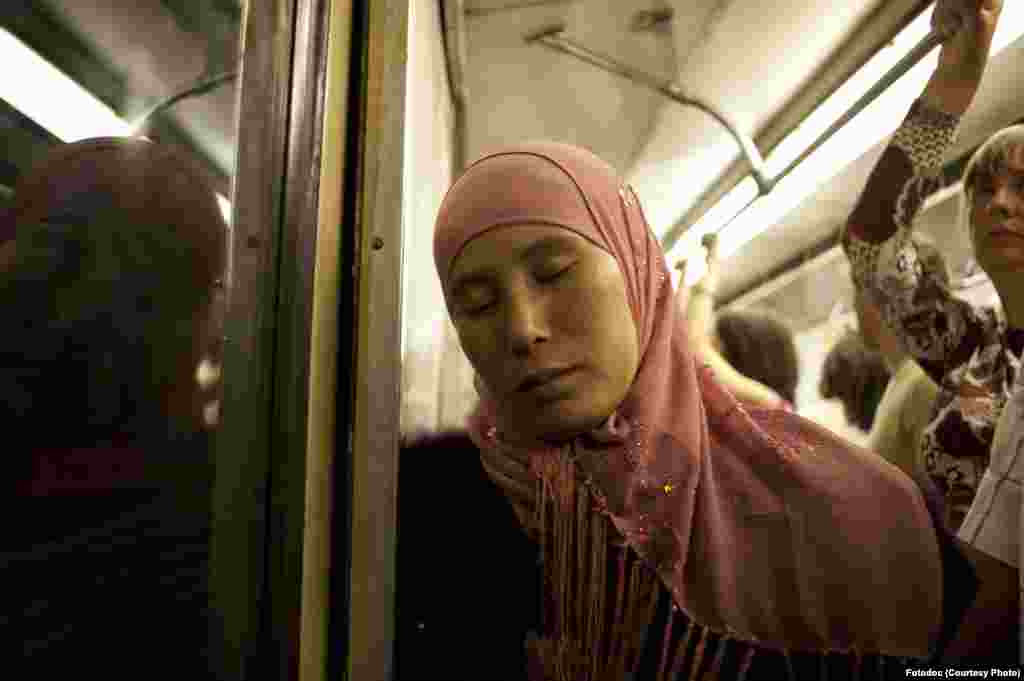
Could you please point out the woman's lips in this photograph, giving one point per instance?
(543, 377)
(1004, 234)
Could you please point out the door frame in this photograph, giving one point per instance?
(304, 516)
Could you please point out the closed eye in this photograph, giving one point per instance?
(476, 305)
(554, 274)
(477, 310)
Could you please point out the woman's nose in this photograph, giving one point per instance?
(524, 322)
(1005, 201)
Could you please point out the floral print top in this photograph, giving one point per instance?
(969, 351)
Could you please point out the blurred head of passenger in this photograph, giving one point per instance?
(761, 347)
(857, 376)
(109, 290)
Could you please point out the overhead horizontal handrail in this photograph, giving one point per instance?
(909, 60)
(200, 88)
(552, 36)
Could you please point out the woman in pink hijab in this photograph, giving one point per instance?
(680, 532)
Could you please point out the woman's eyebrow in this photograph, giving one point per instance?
(545, 245)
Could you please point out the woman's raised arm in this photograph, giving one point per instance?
(939, 330)
(698, 301)
(700, 321)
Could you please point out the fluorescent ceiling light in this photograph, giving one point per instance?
(829, 111)
(873, 124)
(728, 207)
(38, 89)
(225, 207)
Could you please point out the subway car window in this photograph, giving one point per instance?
(117, 155)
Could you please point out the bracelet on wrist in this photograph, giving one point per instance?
(926, 113)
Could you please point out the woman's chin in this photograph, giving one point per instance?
(540, 433)
(557, 429)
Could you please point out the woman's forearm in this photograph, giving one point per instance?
(700, 315)
(949, 93)
(970, 27)
(700, 306)
(743, 388)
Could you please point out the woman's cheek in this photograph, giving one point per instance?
(573, 310)
(477, 344)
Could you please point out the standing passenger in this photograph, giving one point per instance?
(667, 514)
(857, 376)
(969, 351)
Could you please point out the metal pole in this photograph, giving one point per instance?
(200, 88)
(909, 60)
(553, 38)
(915, 55)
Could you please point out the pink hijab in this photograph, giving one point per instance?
(762, 525)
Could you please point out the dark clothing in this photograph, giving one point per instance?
(109, 582)
(466, 616)
(467, 596)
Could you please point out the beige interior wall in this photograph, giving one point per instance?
(436, 380)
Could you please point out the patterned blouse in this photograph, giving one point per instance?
(969, 351)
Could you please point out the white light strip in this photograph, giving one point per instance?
(727, 208)
(870, 126)
(802, 137)
(39, 90)
(225, 207)
(829, 111)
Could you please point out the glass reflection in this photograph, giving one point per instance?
(113, 253)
